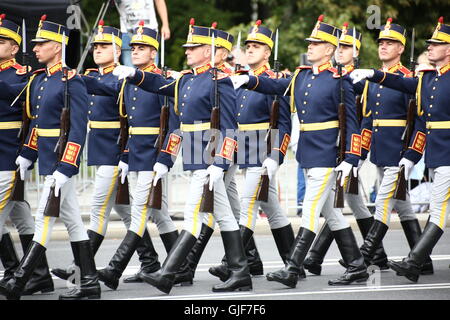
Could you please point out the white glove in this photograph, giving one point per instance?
(123, 72)
(174, 74)
(361, 74)
(215, 174)
(60, 180)
(408, 166)
(360, 164)
(271, 166)
(23, 164)
(160, 170)
(123, 169)
(345, 168)
(239, 81)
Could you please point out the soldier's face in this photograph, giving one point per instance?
(256, 53)
(104, 55)
(438, 52)
(318, 51)
(46, 51)
(198, 56)
(345, 54)
(389, 50)
(221, 55)
(142, 55)
(8, 49)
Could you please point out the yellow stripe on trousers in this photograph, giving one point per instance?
(317, 198)
(210, 220)
(444, 210)
(105, 203)
(386, 202)
(252, 205)
(45, 230)
(143, 218)
(195, 217)
(5, 200)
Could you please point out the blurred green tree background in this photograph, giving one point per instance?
(294, 18)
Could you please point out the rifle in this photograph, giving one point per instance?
(263, 192)
(352, 183)
(53, 202)
(339, 194)
(155, 195)
(123, 192)
(18, 193)
(401, 188)
(207, 202)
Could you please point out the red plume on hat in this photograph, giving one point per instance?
(43, 18)
(192, 21)
(214, 25)
(321, 18)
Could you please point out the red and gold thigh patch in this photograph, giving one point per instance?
(366, 139)
(33, 141)
(173, 145)
(284, 144)
(71, 153)
(228, 147)
(355, 147)
(419, 142)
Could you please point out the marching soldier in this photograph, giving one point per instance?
(45, 98)
(142, 110)
(314, 92)
(10, 126)
(384, 113)
(195, 97)
(433, 126)
(348, 50)
(253, 113)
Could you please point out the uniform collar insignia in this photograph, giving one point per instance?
(7, 64)
(54, 69)
(150, 68)
(224, 67)
(444, 69)
(202, 69)
(394, 68)
(322, 67)
(259, 71)
(107, 69)
(349, 68)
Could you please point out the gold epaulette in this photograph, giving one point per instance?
(21, 70)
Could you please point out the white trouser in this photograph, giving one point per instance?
(103, 200)
(319, 197)
(18, 212)
(193, 217)
(233, 196)
(250, 206)
(140, 212)
(357, 204)
(385, 201)
(440, 196)
(69, 213)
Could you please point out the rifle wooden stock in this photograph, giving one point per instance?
(339, 194)
(401, 188)
(352, 184)
(263, 192)
(207, 202)
(123, 193)
(19, 185)
(155, 196)
(53, 203)
(359, 115)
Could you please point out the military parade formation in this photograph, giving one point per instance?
(218, 118)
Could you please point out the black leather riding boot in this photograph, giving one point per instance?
(313, 263)
(41, 280)
(289, 274)
(164, 278)
(147, 256)
(88, 287)
(185, 275)
(348, 247)
(372, 240)
(239, 274)
(413, 232)
(14, 287)
(411, 266)
(112, 273)
(8, 256)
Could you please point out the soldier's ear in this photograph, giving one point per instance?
(15, 48)
(153, 53)
(401, 48)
